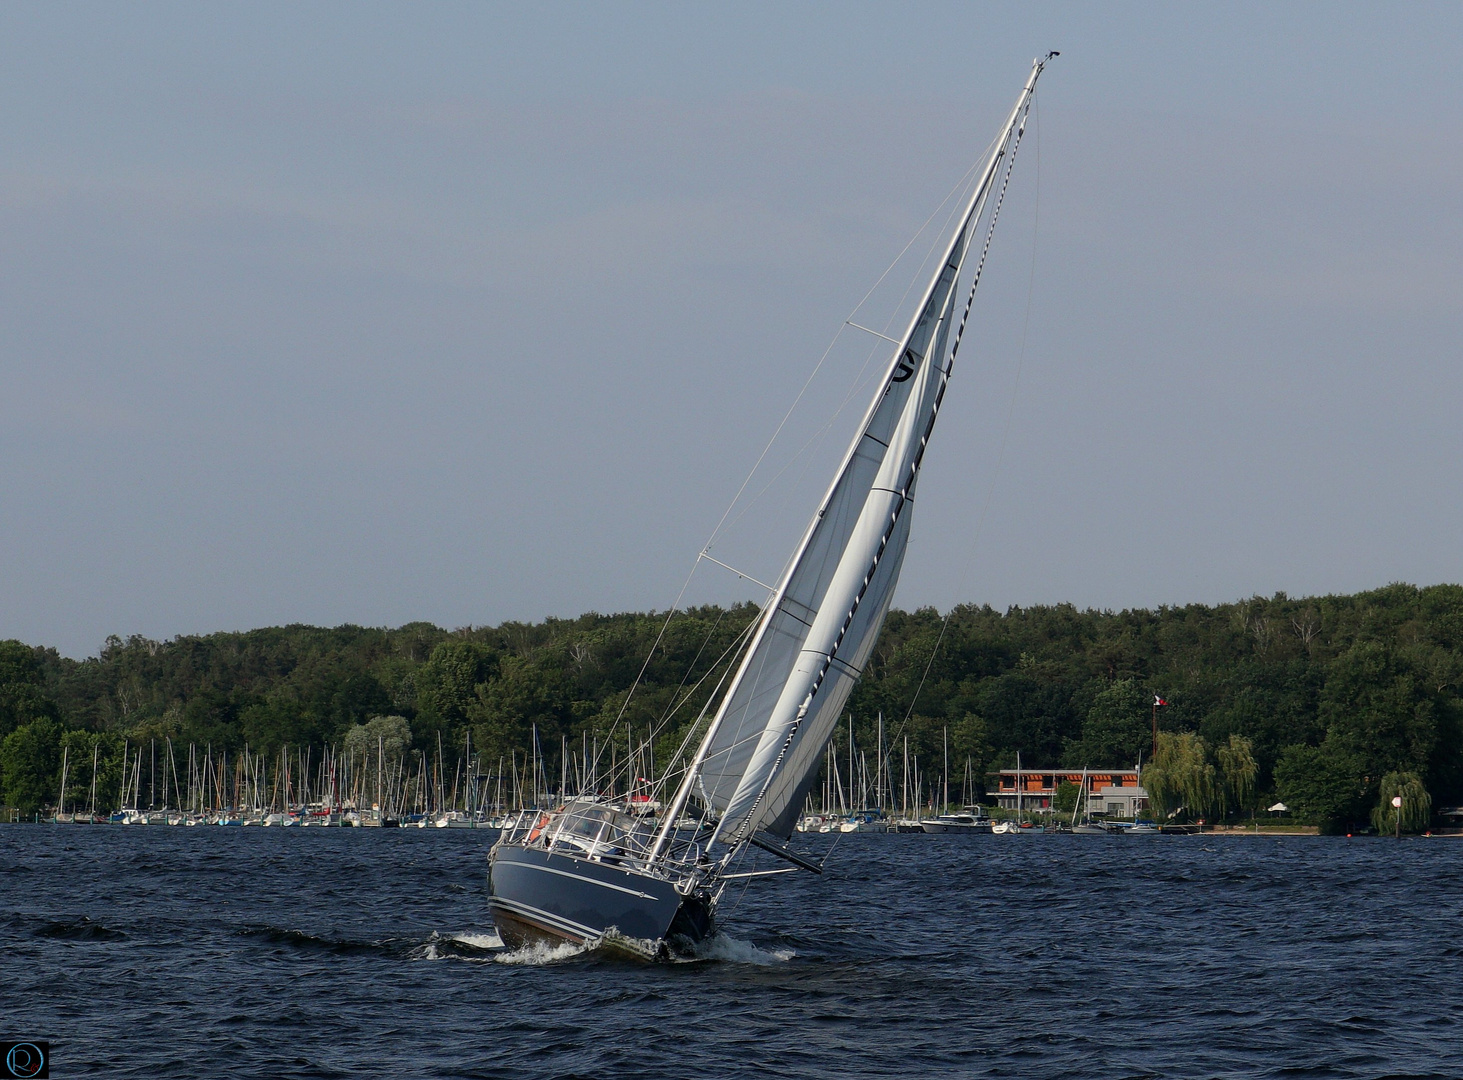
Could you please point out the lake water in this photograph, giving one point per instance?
(208, 952)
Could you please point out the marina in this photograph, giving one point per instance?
(335, 788)
(341, 791)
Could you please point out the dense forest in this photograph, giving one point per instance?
(1334, 698)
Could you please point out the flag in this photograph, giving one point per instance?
(1158, 700)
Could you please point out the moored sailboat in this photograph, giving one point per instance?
(595, 871)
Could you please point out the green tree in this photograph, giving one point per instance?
(1365, 685)
(1238, 772)
(22, 694)
(1024, 713)
(386, 737)
(30, 765)
(1415, 811)
(524, 695)
(1323, 784)
(84, 749)
(969, 740)
(1180, 776)
(1116, 730)
(1064, 799)
(1375, 708)
(447, 684)
(211, 717)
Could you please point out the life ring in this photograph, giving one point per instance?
(538, 829)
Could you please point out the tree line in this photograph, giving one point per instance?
(1333, 700)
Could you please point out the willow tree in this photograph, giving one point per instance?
(1415, 811)
(1238, 770)
(1180, 776)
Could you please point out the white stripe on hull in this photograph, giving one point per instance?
(592, 881)
(570, 928)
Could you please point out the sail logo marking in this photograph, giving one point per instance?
(907, 364)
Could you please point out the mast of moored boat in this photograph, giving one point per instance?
(879, 766)
(1019, 786)
(91, 805)
(65, 762)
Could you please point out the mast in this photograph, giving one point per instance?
(126, 774)
(879, 766)
(904, 789)
(819, 626)
(831, 602)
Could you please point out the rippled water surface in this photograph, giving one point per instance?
(206, 952)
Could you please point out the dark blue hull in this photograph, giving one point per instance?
(538, 895)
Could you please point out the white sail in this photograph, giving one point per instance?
(763, 747)
(860, 580)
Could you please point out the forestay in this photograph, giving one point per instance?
(763, 747)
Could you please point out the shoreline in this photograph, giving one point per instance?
(1313, 830)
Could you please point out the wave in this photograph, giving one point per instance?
(305, 941)
(459, 945)
(81, 929)
(464, 945)
(732, 950)
(490, 940)
(612, 945)
(486, 946)
(541, 953)
(719, 948)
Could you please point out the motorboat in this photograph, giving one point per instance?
(962, 822)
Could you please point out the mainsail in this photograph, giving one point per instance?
(763, 747)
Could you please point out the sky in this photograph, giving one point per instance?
(377, 313)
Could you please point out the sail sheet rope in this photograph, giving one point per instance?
(678, 701)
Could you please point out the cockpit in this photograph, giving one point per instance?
(598, 831)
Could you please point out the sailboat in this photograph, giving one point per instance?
(1087, 827)
(594, 872)
(61, 817)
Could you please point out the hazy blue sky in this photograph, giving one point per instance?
(374, 313)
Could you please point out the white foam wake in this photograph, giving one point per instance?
(718, 947)
(490, 940)
(539, 953)
(735, 951)
(458, 946)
